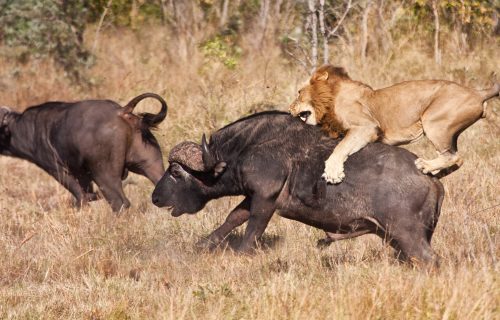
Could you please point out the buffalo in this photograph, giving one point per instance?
(275, 161)
(85, 141)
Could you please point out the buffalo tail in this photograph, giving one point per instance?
(148, 119)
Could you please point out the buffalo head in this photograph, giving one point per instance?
(186, 184)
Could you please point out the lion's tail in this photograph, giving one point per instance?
(487, 94)
(491, 92)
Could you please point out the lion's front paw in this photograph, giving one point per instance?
(333, 173)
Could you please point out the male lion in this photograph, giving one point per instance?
(395, 115)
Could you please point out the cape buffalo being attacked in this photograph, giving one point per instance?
(81, 142)
(276, 161)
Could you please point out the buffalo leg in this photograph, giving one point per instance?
(111, 188)
(411, 245)
(237, 217)
(261, 211)
(85, 182)
(110, 184)
(70, 183)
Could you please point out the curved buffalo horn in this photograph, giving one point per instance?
(208, 159)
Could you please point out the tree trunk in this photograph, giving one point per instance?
(364, 29)
(164, 11)
(322, 29)
(263, 19)
(223, 18)
(134, 12)
(99, 25)
(277, 8)
(314, 35)
(496, 23)
(383, 33)
(437, 52)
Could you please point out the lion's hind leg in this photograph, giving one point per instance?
(443, 161)
(445, 143)
(442, 124)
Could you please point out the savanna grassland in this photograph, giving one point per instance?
(58, 262)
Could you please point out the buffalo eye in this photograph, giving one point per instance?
(175, 171)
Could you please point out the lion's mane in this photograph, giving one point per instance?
(323, 94)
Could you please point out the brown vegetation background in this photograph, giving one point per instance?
(59, 262)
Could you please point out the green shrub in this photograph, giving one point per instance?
(120, 11)
(41, 28)
(222, 49)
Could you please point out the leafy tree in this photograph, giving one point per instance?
(129, 13)
(41, 28)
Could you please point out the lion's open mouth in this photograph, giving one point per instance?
(304, 115)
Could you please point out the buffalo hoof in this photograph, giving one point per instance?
(120, 207)
(92, 196)
(246, 250)
(205, 244)
(88, 197)
(324, 243)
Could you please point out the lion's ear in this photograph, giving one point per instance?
(320, 76)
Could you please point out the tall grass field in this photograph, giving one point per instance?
(59, 262)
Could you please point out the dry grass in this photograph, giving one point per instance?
(58, 262)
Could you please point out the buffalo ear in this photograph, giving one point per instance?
(4, 138)
(321, 76)
(219, 168)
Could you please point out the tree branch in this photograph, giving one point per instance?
(99, 26)
(322, 29)
(334, 30)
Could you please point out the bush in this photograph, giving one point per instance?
(121, 13)
(41, 28)
(222, 49)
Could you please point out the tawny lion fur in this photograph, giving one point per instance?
(395, 115)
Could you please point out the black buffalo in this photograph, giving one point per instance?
(85, 141)
(276, 161)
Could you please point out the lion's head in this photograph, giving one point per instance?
(315, 102)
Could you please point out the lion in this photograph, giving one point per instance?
(399, 114)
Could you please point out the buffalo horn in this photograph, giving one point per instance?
(208, 159)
